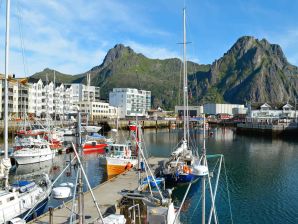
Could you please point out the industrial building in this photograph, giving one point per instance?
(194, 111)
(231, 109)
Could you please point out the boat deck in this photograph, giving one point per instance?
(106, 194)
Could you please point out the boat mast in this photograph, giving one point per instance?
(6, 159)
(5, 81)
(184, 80)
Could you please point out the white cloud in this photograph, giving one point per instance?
(288, 40)
(152, 51)
(72, 36)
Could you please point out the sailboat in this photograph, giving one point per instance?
(180, 166)
(18, 199)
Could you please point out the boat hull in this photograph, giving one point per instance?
(117, 166)
(99, 148)
(22, 203)
(36, 212)
(33, 158)
(172, 179)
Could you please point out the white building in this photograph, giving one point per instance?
(97, 110)
(40, 98)
(130, 102)
(17, 98)
(59, 99)
(217, 108)
(81, 92)
(266, 112)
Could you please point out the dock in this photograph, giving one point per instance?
(107, 195)
(272, 130)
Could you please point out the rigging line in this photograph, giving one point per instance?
(194, 211)
(229, 199)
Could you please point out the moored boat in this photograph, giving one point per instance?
(30, 150)
(118, 159)
(94, 146)
(178, 169)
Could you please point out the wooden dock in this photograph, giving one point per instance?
(106, 194)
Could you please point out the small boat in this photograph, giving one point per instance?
(94, 146)
(30, 150)
(118, 159)
(95, 143)
(69, 131)
(91, 129)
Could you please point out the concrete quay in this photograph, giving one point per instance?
(272, 130)
(107, 195)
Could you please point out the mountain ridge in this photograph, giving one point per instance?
(251, 70)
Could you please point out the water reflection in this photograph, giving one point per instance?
(262, 174)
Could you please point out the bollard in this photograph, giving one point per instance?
(51, 210)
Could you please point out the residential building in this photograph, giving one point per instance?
(265, 111)
(17, 97)
(40, 98)
(130, 102)
(81, 92)
(97, 110)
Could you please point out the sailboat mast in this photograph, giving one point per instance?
(184, 78)
(5, 80)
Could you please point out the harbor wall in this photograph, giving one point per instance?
(273, 130)
(13, 126)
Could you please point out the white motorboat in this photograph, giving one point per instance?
(32, 150)
(91, 129)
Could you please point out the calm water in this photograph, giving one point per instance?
(262, 176)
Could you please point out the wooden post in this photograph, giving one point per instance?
(51, 211)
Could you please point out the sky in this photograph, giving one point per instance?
(72, 36)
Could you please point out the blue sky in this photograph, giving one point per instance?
(72, 36)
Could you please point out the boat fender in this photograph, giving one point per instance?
(128, 166)
(186, 169)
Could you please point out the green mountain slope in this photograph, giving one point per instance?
(252, 70)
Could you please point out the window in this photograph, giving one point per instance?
(10, 199)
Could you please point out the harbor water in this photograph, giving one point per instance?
(260, 175)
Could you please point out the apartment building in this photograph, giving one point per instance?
(97, 110)
(130, 102)
(41, 98)
(17, 98)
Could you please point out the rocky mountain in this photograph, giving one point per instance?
(252, 70)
